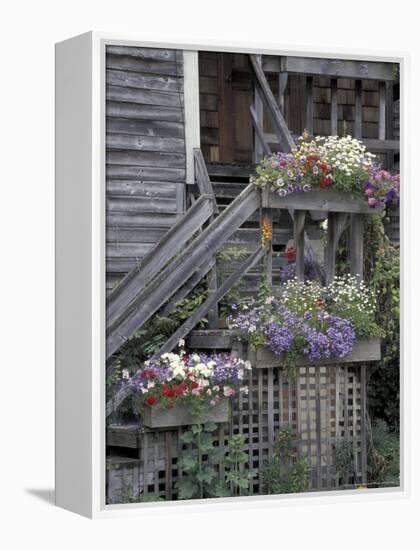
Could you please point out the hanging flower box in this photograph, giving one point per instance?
(364, 350)
(181, 415)
(326, 174)
(177, 389)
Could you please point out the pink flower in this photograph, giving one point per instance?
(212, 402)
(372, 202)
(196, 391)
(227, 391)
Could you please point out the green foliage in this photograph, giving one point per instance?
(384, 456)
(344, 461)
(286, 472)
(237, 479)
(382, 273)
(198, 463)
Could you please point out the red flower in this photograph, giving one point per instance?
(147, 373)
(151, 400)
(167, 391)
(312, 157)
(290, 253)
(282, 163)
(179, 389)
(325, 180)
(194, 385)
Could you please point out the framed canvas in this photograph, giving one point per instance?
(228, 274)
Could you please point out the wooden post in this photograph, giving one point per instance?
(282, 91)
(259, 115)
(336, 224)
(334, 107)
(356, 245)
(382, 111)
(389, 123)
(358, 110)
(309, 105)
(299, 240)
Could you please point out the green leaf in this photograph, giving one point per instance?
(189, 463)
(187, 488)
(210, 426)
(206, 475)
(206, 442)
(187, 437)
(221, 490)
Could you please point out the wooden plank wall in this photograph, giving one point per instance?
(145, 151)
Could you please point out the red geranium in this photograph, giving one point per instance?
(290, 253)
(312, 157)
(179, 389)
(151, 400)
(167, 391)
(325, 180)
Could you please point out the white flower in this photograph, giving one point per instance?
(181, 343)
(125, 374)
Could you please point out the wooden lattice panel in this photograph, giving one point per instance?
(324, 406)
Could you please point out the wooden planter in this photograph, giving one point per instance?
(180, 415)
(363, 351)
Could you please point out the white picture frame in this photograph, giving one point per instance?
(80, 272)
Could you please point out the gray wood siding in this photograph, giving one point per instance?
(145, 151)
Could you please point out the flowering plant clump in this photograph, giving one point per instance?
(310, 320)
(198, 378)
(342, 164)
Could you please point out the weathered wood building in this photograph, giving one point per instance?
(184, 131)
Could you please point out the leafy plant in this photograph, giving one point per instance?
(344, 461)
(384, 455)
(199, 462)
(286, 472)
(382, 273)
(237, 479)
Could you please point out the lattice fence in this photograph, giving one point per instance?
(324, 407)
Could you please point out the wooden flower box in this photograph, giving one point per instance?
(325, 201)
(364, 350)
(180, 415)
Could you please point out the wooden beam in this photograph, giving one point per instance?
(337, 222)
(358, 110)
(309, 115)
(280, 127)
(327, 201)
(356, 245)
(283, 78)
(334, 108)
(382, 111)
(299, 242)
(339, 68)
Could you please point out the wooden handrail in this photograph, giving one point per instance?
(166, 248)
(150, 298)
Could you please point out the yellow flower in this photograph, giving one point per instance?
(266, 230)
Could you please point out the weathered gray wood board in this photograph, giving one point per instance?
(346, 68)
(326, 201)
(363, 351)
(145, 151)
